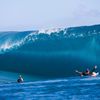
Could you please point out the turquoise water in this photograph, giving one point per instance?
(47, 62)
(74, 88)
(53, 55)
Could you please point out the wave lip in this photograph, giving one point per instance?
(11, 40)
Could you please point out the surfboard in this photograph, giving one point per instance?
(95, 74)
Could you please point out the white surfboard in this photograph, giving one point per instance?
(95, 74)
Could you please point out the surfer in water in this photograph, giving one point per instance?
(20, 79)
(88, 72)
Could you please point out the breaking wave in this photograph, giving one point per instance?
(50, 53)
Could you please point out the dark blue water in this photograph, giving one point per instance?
(75, 88)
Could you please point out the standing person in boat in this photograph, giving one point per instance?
(20, 79)
(88, 72)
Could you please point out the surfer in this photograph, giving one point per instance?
(20, 79)
(88, 72)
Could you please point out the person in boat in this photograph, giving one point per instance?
(20, 79)
(88, 72)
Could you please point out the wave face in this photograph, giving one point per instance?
(50, 53)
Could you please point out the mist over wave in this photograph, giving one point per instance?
(50, 53)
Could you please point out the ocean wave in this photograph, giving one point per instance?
(13, 40)
(50, 53)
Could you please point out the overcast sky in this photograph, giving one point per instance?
(44, 14)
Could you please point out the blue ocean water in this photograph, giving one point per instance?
(50, 53)
(47, 60)
(74, 88)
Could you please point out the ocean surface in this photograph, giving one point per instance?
(47, 60)
(73, 88)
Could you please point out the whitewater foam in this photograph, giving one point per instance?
(56, 33)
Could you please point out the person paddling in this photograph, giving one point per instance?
(88, 72)
(20, 79)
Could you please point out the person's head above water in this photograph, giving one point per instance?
(87, 70)
(20, 76)
(20, 79)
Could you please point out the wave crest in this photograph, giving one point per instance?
(12, 40)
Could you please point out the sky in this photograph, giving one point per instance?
(21, 15)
